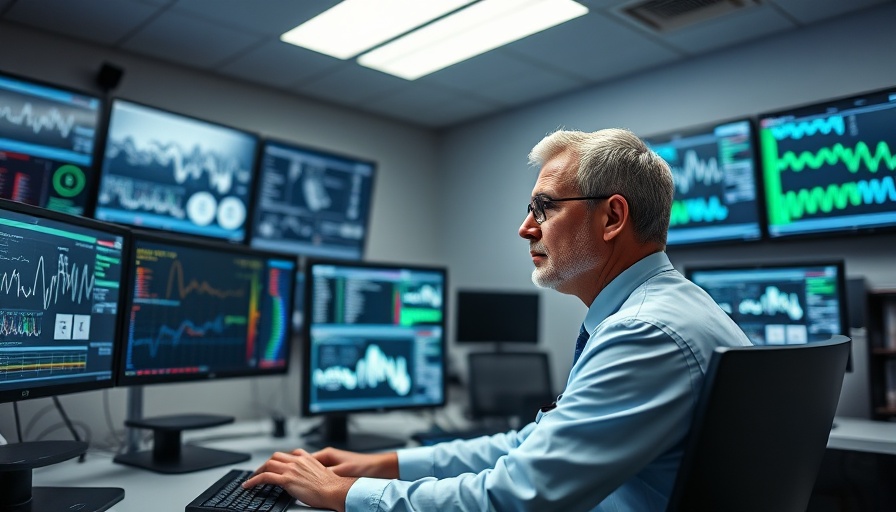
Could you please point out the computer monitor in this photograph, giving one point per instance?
(201, 310)
(828, 167)
(311, 202)
(492, 316)
(61, 307)
(780, 303)
(374, 340)
(163, 170)
(47, 143)
(716, 192)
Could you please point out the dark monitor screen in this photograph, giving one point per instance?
(47, 144)
(202, 310)
(716, 193)
(780, 304)
(496, 316)
(374, 337)
(60, 302)
(828, 167)
(312, 203)
(163, 170)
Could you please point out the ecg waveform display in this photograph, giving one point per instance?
(47, 143)
(375, 337)
(167, 171)
(776, 306)
(713, 168)
(59, 301)
(202, 310)
(830, 167)
(312, 203)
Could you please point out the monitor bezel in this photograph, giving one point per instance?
(251, 227)
(840, 264)
(153, 236)
(91, 187)
(87, 223)
(815, 107)
(305, 377)
(759, 187)
(483, 293)
(253, 165)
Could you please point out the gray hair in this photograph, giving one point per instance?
(616, 161)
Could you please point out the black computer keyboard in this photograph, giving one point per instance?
(228, 494)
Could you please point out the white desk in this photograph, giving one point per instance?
(863, 436)
(147, 491)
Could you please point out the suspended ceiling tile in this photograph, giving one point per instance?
(98, 21)
(278, 64)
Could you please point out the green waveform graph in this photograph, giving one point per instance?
(854, 159)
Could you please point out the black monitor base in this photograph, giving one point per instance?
(17, 495)
(169, 456)
(334, 432)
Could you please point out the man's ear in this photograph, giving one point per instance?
(617, 217)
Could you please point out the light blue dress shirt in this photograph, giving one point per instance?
(615, 439)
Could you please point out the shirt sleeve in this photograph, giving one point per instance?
(628, 401)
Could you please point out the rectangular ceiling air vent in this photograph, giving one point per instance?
(666, 15)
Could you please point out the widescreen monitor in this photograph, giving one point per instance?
(312, 203)
(781, 303)
(201, 310)
(493, 316)
(47, 144)
(61, 307)
(374, 340)
(829, 167)
(716, 193)
(168, 171)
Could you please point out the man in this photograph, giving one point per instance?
(613, 441)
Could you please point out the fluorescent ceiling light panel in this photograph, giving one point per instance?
(477, 29)
(353, 26)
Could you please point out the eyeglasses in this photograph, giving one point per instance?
(540, 203)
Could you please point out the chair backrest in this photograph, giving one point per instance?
(506, 384)
(761, 427)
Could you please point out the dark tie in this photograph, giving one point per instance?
(580, 343)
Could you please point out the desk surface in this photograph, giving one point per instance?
(148, 491)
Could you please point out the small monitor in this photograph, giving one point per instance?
(782, 303)
(716, 192)
(374, 338)
(201, 310)
(61, 303)
(497, 316)
(168, 171)
(47, 144)
(311, 202)
(829, 167)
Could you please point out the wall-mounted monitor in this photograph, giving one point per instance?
(61, 306)
(47, 144)
(168, 171)
(493, 316)
(311, 202)
(716, 192)
(830, 167)
(374, 340)
(780, 303)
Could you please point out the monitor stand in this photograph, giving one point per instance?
(169, 455)
(17, 495)
(334, 432)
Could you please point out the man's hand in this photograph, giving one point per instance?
(344, 463)
(304, 478)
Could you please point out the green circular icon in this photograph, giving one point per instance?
(69, 180)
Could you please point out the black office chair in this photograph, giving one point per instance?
(760, 428)
(503, 385)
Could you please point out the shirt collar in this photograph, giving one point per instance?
(619, 289)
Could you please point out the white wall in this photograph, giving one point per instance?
(467, 187)
(487, 183)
